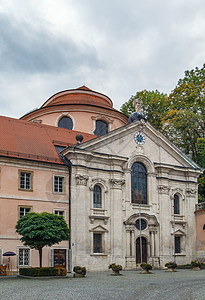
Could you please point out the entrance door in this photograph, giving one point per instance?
(144, 250)
(60, 258)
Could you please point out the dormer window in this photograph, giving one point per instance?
(66, 122)
(101, 127)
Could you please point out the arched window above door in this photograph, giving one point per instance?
(101, 127)
(138, 183)
(65, 122)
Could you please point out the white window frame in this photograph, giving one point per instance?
(30, 189)
(23, 249)
(63, 184)
(60, 210)
(24, 207)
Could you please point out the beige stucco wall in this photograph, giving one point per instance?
(41, 198)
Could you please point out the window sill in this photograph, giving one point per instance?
(25, 190)
(98, 254)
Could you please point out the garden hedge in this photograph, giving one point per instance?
(46, 271)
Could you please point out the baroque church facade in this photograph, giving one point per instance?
(126, 192)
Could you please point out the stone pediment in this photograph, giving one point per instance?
(157, 148)
(99, 229)
(179, 232)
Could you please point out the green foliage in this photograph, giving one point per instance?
(38, 272)
(155, 106)
(42, 229)
(171, 264)
(195, 263)
(200, 145)
(115, 268)
(180, 116)
(185, 121)
(146, 266)
(80, 270)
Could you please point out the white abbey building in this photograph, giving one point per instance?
(130, 174)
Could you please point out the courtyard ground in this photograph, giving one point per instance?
(182, 285)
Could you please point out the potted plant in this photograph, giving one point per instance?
(79, 271)
(116, 269)
(196, 265)
(171, 266)
(145, 268)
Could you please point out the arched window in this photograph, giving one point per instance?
(101, 127)
(176, 205)
(65, 122)
(139, 183)
(97, 197)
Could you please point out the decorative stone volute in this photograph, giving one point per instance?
(163, 189)
(117, 183)
(81, 179)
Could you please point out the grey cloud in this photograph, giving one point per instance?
(26, 48)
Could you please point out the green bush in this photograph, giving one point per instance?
(38, 272)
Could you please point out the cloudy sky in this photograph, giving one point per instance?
(115, 47)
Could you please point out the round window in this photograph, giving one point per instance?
(141, 223)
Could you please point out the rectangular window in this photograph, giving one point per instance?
(97, 243)
(177, 244)
(58, 184)
(59, 212)
(25, 180)
(24, 210)
(24, 257)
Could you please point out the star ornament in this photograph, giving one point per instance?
(139, 138)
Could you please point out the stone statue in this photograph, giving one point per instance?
(138, 115)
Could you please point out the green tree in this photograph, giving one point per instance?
(155, 106)
(185, 121)
(201, 161)
(42, 229)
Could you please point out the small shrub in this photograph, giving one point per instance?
(195, 263)
(115, 268)
(146, 266)
(79, 270)
(171, 264)
(46, 271)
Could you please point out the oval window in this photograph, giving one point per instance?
(66, 122)
(141, 223)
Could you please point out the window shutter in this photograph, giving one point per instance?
(1, 256)
(51, 258)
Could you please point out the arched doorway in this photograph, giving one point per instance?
(144, 250)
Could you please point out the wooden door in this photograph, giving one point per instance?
(60, 258)
(144, 250)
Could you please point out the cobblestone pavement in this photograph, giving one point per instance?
(160, 285)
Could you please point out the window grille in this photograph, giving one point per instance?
(97, 243)
(139, 183)
(24, 257)
(176, 204)
(177, 244)
(97, 197)
(25, 180)
(58, 184)
(66, 122)
(101, 127)
(23, 211)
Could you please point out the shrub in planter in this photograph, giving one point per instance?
(146, 266)
(115, 268)
(46, 271)
(80, 270)
(195, 264)
(171, 265)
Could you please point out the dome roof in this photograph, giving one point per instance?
(81, 95)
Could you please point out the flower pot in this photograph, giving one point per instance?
(196, 269)
(78, 275)
(116, 272)
(144, 271)
(170, 269)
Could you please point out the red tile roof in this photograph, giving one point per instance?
(34, 141)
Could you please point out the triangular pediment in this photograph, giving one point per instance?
(99, 229)
(122, 142)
